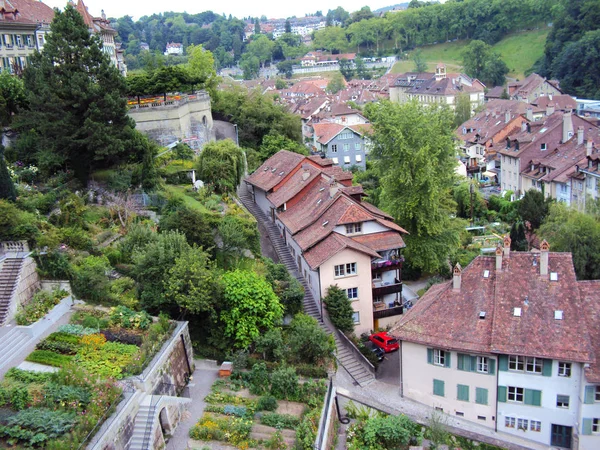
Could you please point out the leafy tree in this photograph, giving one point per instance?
(279, 83)
(251, 307)
(201, 68)
(196, 227)
(462, 197)
(169, 79)
(12, 96)
(308, 342)
(415, 156)
(76, 98)
(288, 26)
(419, 62)
(339, 309)
(262, 48)
(518, 239)
(346, 69)
(250, 64)
(89, 280)
(16, 224)
(336, 84)
(462, 112)
(363, 13)
(272, 143)
(287, 288)
(332, 39)
(286, 68)
(7, 187)
(271, 345)
(192, 283)
(361, 68)
(568, 230)
(480, 61)
(183, 152)
(222, 165)
(533, 208)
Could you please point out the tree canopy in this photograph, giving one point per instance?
(481, 62)
(222, 165)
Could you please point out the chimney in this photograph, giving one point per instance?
(506, 116)
(457, 277)
(507, 242)
(567, 125)
(550, 109)
(588, 147)
(544, 248)
(499, 252)
(579, 135)
(529, 113)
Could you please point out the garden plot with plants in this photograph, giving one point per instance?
(58, 410)
(261, 409)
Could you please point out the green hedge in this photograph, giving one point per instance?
(280, 420)
(49, 358)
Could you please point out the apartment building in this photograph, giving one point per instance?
(532, 87)
(346, 146)
(510, 343)
(335, 237)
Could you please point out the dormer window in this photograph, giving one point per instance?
(353, 228)
(543, 146)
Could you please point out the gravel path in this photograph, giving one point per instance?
(203, 378)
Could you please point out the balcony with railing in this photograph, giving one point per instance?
(381, 310)
(380, 266)
(381, 289)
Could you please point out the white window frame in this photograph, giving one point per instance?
(516, 363)
(522, 424)
(564, 369)
(597, 394)
(517, 394)
(346, 147)
(357, 145)
(353, 228)
(535, 363)
(563, 401)
(333, 148)
(344, 270)
(352, 293)
(535, 425)
(483, 364)
(356, 317)
(439, 357)
(510, 422)
(596, 426)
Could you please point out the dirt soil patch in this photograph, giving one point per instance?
(291, 408)
(243, 393)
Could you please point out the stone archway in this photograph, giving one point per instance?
(165, 423)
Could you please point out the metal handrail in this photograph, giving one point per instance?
(154, 399)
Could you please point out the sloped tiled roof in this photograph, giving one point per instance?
(354, 214)
(327, 131)
(269, 174)
(332, 245)
(386, 240)
(298, 181)
(449, 318)
(591, 305)
(35, 11)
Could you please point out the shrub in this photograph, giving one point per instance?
(26, 376)
(68, 396)
(122, 336)
(77, 238)
(54, 265)
(271, 345)
(232, 410)
(60, 336)
(308, 342)
(266, 403)
(382, 432)
(49, 358)
(78, 330)
(38, 307)
(64, 348)
(89, 279)
(311, 371)
(35, 426)
(128, 318)
(259, 379)
(284, 383)
(280, 420)
(339, 309)
(306, 431)
(276, 442)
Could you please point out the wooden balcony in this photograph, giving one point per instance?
(384, 266)
(385, 289)
(387, 312)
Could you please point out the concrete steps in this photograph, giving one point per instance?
(9, 279)
(310, 306)
(15, 339)
(141, 438)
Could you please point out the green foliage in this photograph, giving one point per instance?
(138, 235)
(35, 426)
(284, 383)
(480, 61)
(578, 66)
(507, 210)
(308, 342)
(259, 379)
(518, 239)
(306, 432)
(12, 97)
(568, 230)
(38, 307)
(49, 358)
(266, 403)
(89, 278)
(16, 224)
(340, 309)
(76, 99)
(7, 187)
(437, 431)
(106, 359)
(251, 307)
(124, 317)
(271, 345)
(533, 208)
(234, 430)
(462, 196)
(382, 432)
(272, 143)
(280, 420)
(76, 330)
(463, 109)
(336, 84)
(26, 376)
(414, 154)
(419, 63)
(221, 164)
(201, 67)
(276, 442)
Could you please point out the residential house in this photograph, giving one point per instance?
(510, 343)
(358, 91)
(339, 113)
(335, 237)
(481, 135)
(440, 89)
(584, 180)
(174, 48)
(588, 108)
(532, 87)
(534, 141)
(548, 104)
(38, 12)
(345, 145)
(319, 58)
(18, 38)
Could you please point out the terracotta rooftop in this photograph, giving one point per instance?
(331, 245)
(298, 181)
(386, 240)
(274, 169)
(450, 318)
(591, 302)
(325, 132)
(35, 11)
(488, 123)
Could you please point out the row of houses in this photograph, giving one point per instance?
(333, 234)
(24, 25)
(511, 343)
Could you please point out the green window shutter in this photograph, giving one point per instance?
(586, 426)
(547, 368)
(503, 363)
(473, 363)
(533, 397)
(430, 355)
(590, 394)
(460, 365)
(502, 394)
(447, 360)
(462, 392)
(481, 396)
(492, 366)
(438, 387)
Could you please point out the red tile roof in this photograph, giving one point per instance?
(294, 185)
(269, 174)
(35, 11)
(449, 318)
(332, 245)
(591, 302)
(327, 131)
(386, 240)
(354, 214)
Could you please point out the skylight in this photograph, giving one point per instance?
(325, 223)
(553, 276)
(558, 315)
(486, 274)
(482, 314)
(517, 312)
(322, 189)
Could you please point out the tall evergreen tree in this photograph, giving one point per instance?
(7, 188)
(77, 99)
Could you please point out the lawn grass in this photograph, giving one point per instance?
(178, 166)
(519, 51)
(189, 201)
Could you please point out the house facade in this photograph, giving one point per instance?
(510, 343)
(334, 236)
(533, 87)
(346, 146)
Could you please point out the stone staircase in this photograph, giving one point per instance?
(9, 279)
(10, 342)
(143, 427)
(344, 356)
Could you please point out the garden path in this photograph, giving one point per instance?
(204, 376)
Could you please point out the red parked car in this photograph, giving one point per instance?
(384, 341)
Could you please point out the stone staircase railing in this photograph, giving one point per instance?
(10, 273)
(359, 368)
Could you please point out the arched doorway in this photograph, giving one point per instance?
(163, 419)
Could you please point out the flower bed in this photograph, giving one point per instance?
(38, 307)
